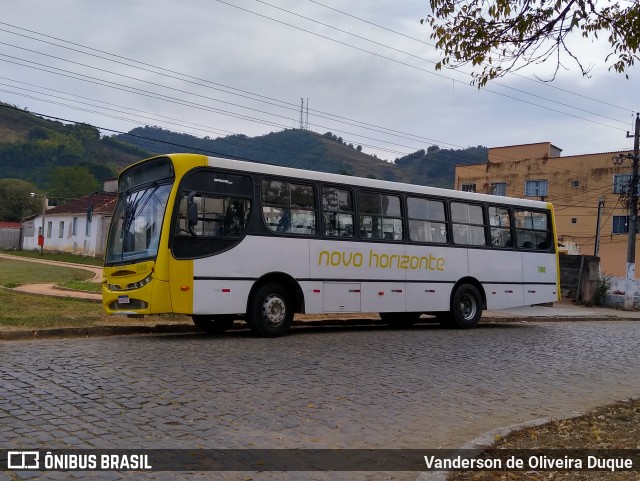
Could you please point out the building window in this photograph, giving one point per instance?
(535, 188)
(574, 220)
(621, 183)
(49, 228)
(74, 228)
(468, 187)
(575, 183)
(87, 228)
(620, 224)
(498, 188)
(61, 230)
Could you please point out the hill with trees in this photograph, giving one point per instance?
(34, 149)
(308, 150)
(71, 160)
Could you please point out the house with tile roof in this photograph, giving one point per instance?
(67, 228)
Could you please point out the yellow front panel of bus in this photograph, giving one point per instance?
(181, 285)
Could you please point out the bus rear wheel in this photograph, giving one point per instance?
(270, 311)
(212, 324)
(466, 308)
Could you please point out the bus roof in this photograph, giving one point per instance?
(347, 180)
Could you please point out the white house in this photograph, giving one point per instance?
(67, 229)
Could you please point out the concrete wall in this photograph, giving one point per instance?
(10, 238)
(579, 277)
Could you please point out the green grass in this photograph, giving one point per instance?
(57, 256)
(23, 310)
(86, 286)
(14, 273)
(28, 311)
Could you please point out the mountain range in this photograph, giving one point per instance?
(31, 147)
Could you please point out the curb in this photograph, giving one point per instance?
(487, 439)
(184, 328)
(103, 331)
(94, 331)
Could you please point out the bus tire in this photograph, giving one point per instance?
(400, 319)
(212, 324)
(270, 311)
(466, 308)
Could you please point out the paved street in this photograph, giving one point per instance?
(367, 387)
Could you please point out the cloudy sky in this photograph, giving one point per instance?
(218, 67)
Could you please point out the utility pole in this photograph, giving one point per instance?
(629, 290)
(301, 113)
(596, 248)
(307, 119)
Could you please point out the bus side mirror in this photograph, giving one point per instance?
(192, 213)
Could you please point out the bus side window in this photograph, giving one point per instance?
(427, 222)
(468, 224)
(337, 212)
(500, 226)
(217, 216)
(533, 230)
(380, 216)
(288, 208)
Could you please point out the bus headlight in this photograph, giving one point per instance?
(133, 285)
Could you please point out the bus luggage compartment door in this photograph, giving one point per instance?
(341, 297)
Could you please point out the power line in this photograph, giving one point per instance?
(427, 60)
(218, 110)
(358, 123)
(414, 66)
(547, 84)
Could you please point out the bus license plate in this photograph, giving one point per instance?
(123, 299)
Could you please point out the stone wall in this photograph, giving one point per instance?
(579, 277)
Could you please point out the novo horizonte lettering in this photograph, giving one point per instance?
(377, 260)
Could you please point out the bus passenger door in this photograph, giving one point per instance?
(540, 278)
(341, 297)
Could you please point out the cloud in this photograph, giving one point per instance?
(245, 69)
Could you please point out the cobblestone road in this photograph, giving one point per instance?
(365, 387)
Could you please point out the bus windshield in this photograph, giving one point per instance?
(135, 229)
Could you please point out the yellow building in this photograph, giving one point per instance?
(574, 184)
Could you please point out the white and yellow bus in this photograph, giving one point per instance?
(222, 239)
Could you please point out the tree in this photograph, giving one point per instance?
(16, 201)
(499, 36)
(71, 182)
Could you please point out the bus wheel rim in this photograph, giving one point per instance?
(274, 310)
(467, 306)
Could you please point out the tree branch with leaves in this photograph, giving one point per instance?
(500, 36)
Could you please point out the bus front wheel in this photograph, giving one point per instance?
(466, 308)
(271, 311)
(212, 324)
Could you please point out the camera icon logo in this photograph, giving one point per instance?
(23, 459)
